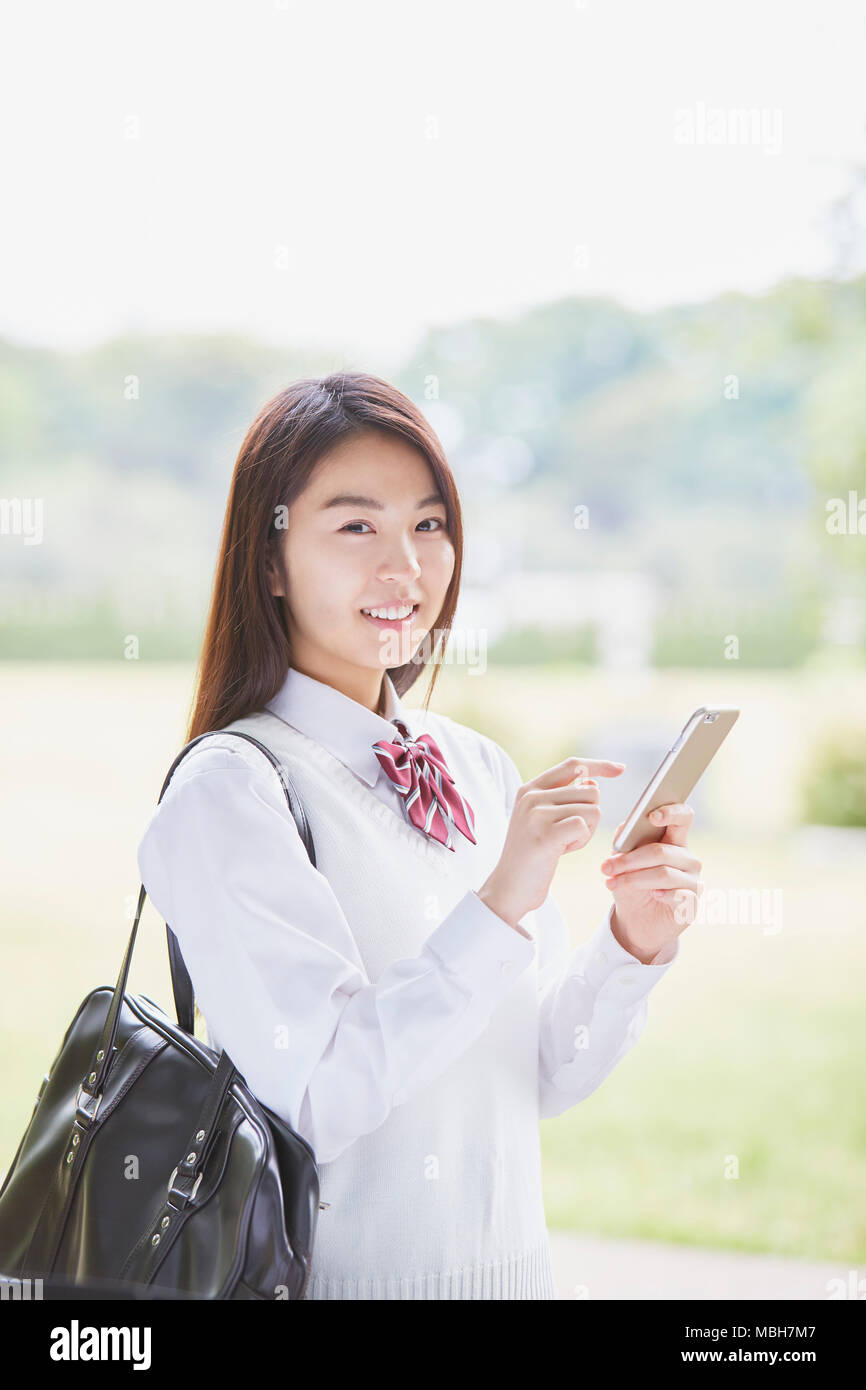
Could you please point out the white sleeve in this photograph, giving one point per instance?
(277, 973)
(592, 1001)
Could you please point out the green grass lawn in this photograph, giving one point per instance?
(754, 1045)
(737, 1120)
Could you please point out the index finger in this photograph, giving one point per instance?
(570, 768)
(676, 817)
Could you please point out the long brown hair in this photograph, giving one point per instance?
(246, 653)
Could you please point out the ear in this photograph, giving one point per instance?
(275, 579)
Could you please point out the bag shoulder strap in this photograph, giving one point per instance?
(181, 984)
(91, 1088)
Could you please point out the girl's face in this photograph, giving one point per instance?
(367, 532)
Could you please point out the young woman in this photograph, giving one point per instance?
(411, 1005)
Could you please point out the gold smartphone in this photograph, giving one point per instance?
(680, 768)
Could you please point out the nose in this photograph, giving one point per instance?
(401, 563)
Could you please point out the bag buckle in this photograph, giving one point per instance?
(176, 1191)
(81, 1113)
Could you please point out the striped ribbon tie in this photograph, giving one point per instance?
(420, 773)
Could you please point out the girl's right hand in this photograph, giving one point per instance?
(553, 814)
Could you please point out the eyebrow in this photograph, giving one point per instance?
(346, 499)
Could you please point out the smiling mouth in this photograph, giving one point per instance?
(394, 623)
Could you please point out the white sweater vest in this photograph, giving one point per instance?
(444, 1199)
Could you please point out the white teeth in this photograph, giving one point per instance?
(402, 612)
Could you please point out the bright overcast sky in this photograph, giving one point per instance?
(349, 171)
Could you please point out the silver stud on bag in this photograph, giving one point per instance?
(199, 1136)
(100, 1054)
(190, 1158)
(155, 1240)
(70, 1156)
(164, 1222)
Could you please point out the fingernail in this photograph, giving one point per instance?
(655, 815)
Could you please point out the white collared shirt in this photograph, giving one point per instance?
(224, 865)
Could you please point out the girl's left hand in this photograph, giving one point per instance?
(656, 886)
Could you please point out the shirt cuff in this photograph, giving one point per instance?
(479, 947)
(615, 973)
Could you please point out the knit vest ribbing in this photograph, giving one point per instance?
(443, 1199)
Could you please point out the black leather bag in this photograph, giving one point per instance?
(147, 1158)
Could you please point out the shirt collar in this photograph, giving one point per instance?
(342, 725)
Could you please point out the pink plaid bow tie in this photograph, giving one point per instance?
(420, 773)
